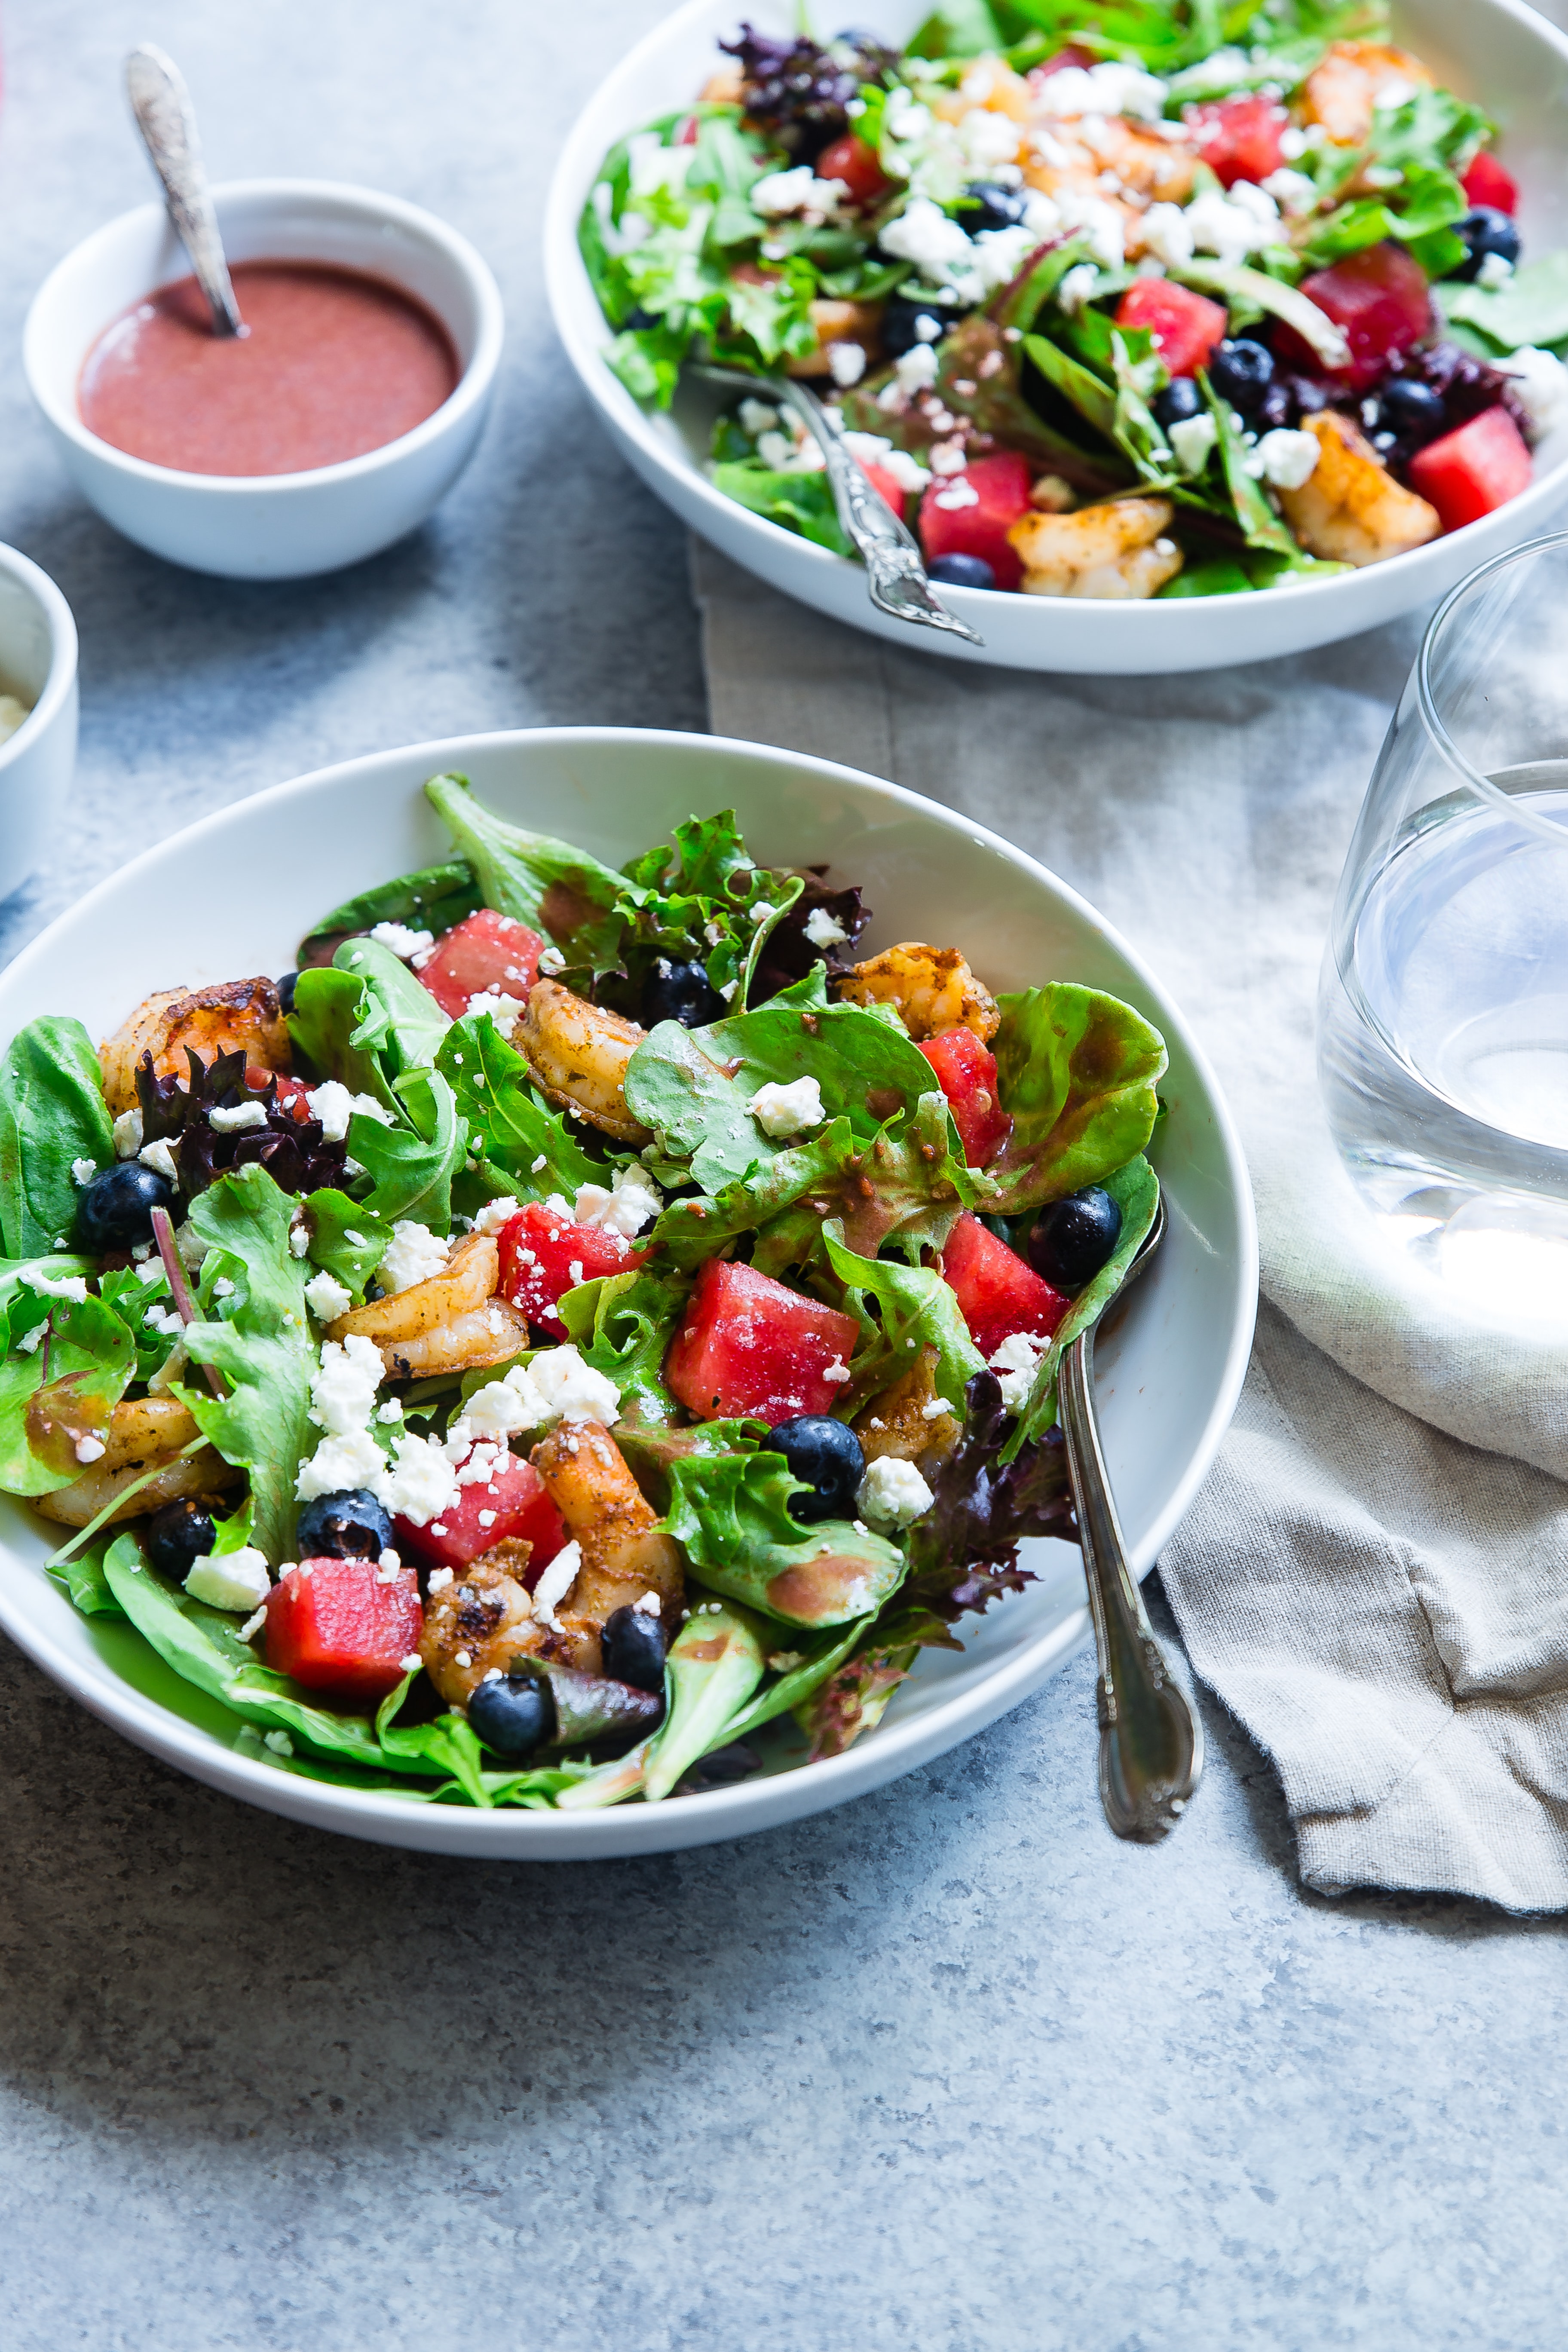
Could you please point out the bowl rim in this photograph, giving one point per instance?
(471, 389)
(566, 280)
(751, 1805)
(60, 622)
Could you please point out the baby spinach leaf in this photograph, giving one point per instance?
(260, 1342)
(623, 1325)
(730, 1512)
(714, 1664)
(331, 1034)
(799, 502)
(85, 1581)
(506, 1119)
(916, 1308)
(431, 901)
(1078, 1071)
(545, 883)
(60, 1391)
(134, 1301)
(401, 1022)
(1532, 308)
(412, 1168)
(1136, 1192)
(52, 1112)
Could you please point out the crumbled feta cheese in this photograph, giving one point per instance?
(1295, 193)
(495, 1213)
(915, 368)
(934, 1409)
(223, 1287)
(923, 233)
(83, 1171)
(649, 1605)
(401, 939)
(487, 1519)
(340, 1464)
(551, 960)
(837, 1373)
(30, 1341)
(1077, 288)
(190, 1248)
(1107, 89)
(632, 1202)
(234, 1579)
(872, 449)
(575, 1272)
(55, 1285)
(391, 1411)
(299, 1237)
(327, 1297)
(1001, 252)
(506, 1011)
(412, 1663)
(1539, 386)
(165, 1320)
(556, 1582)
(758, 417)
(89, 1448)
(1168, 234)
(253, 1625)
(957, 495)
(728, 990)
(798, 189)
(1495, 270)
(237, 1117)
(152, 1270)
(279, 1741)
(413, 1255)
(334, 1105)
(781, 1110)
(1192, 438)
(128, 1135)
(846, 364)
(158, 1157)
(1286, 458)
(501, 1408)
(571, 1390)
(823, 929)
(439, 1580)
(422, 1482)
(894, 1492)
(342, 1395)
(1236, 225)
(1016, 1361)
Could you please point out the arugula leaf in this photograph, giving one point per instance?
(730, 1511)
(544, 882)
(332, 1218)
(52, 1112)
(412, 1168)
(1136, 1192)
(1256, 517)
(917, 1307)
(63, 1390)
(1078, 1071)
(623, 1325)
(1094, 401)
(260, 1342)
(506, 1120)
(1532, 308)
(433, 899)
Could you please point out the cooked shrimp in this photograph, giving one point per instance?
(933, 988)
(904, 1422)
(1343, 91)
(836, 322)
(606, 1511)
(141, 1436)
(481, 1621)
(450, 1322)
(1115, 549)
(239, 1015)
(578, 1053)
(1350, 510)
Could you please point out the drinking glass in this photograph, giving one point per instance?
(1443, 1008)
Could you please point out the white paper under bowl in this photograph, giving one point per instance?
(233, 895)
(1497, 52)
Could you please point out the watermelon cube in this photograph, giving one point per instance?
(1470, 473)
(1378, 298)
(1184, 326)
(512, 1503)
(1238, 137)
(882, 482)
(335, 1625)
(544, 1253)
(997, 1293)
(750, 1346)
(966, 1072)
(971, 513)
(1485, 181)
(488, 951)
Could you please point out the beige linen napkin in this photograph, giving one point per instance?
(1380, 1597)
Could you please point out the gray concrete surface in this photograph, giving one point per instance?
(948, 2069)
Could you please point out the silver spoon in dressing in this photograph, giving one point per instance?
(167, 122)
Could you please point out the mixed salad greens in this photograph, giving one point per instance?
(1111, 298)
(575, 1321)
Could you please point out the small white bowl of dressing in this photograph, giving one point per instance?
(37, 716)
(292, 505)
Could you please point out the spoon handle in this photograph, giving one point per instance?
(166, 120)
(1151, 1741)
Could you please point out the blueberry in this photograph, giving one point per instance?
(632, 1646)
(348, 1525)
(900, 321)
(826, 1455)
(639, 322)
(680, 992)
(1482, 232)
(1277, 407)
(1412, 408)
(1179, 400)
(1070, 1240)
(286, 988)
(985, 205)
(178, 1536)
(960, 572)
(515, 1715)
(1241, 372)
(115, 1211)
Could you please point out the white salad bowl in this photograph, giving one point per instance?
(1170, 1370)
(1496, 52)
(37, 664)
(269, 526)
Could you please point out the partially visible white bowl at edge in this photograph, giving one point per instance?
(1498, 52)
(270, 526)
(1168, 1375)
(37, 664)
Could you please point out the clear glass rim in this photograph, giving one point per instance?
(1442, 741)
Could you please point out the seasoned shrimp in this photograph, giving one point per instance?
(239, 1015)
(836, 322)
(933, 988)
(141, 1436)
(1343, 91)
(480, 1622)
(578, 1053)
(1114, 550)
(606, 1511)
(908, 1422)
(450, 1322)
(1350, 510)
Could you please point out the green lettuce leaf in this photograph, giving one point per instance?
(348, 1238)
(1136, 1192)
(704, 900)
(799, 502)
(506, 1120)
(1532, 308)
(431, 901)
(714, 1664)
(52, 1112)
(87, 1587)
(132, 1300)
(63, 1390)
(623, 1325)
(1078, 1072)
(547, 884)
(401, 1022)
(412, 1168)
(332, 1037)
(916, 1308)
(731, 1513)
